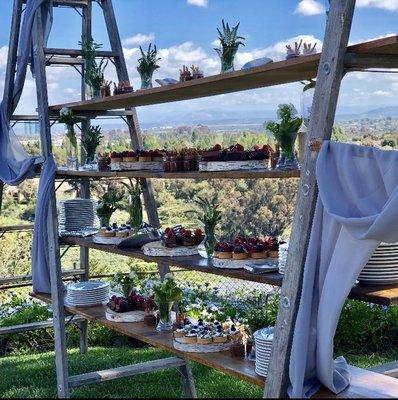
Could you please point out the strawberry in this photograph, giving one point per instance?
(198, 232)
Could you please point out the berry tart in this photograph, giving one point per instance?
(188, 239)
(273, 247)
(144, 156)
(198, 236)
(116, 157)
(129, 156)
(236, 153)
(169, 238)
(213, 154)
(223, 250)
(257, 248)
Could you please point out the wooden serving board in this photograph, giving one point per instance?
(156, 249)
(208, 166)
(239, 264)
(131, 316)
(201, 348)
(137, 166)
(107, 240)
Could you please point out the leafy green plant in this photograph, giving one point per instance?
(108, 204)
(93, 72)
(134, 207)
(66, 117)
(230, 42)
(91, 139)
(147, 65)
(209, 215)
(126, 282)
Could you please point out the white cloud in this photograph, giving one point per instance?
(198, 3)
(382, 93)
(389, 5)
(139, 39)
(309, 7)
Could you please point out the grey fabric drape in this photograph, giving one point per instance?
(15, 164)
(357, 209)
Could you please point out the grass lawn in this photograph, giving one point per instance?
(33, 375)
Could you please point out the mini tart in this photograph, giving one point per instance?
(259, 254)
(116, 159)
(178, 334)
(240, 256)
(145, 158)
(224, 255)
(273, 253)
(109, 233)
(102, 232)
(129, 159)
(188, 241)
(204, 340)
(220, 339)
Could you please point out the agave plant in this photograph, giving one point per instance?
(134, 207)
(108, 204)
(230, 42)
(209, 215)
(91, 139)
(147, 65)
(93, 72)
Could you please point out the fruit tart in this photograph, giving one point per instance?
(188, 238)
(240, 252)
(169, 238)
(223, 250)
(144, 155)
(198, 236)
(236, 153)
(273, 247)
(213, 154)
(129, 156)
(116, 157)
(257, 249)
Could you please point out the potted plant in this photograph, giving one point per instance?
(134, 207)
(93, 72)
(126, 282)
(91, 139)
(66, 117)
(147, 66)
(230, 42)
(209, 215)
(108, 204)
(166, 294)
(285, 133)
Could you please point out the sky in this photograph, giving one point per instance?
(185, 33)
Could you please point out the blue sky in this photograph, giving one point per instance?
(184, 31)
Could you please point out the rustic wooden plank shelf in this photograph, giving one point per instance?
(63, 174)
(363, 383)
(383, 295)
(275, 73)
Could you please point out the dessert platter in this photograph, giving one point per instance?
(204, 337)
(235, 158)
(136, 160)
(130, 309)
(176, 241)
(125, 236)
(247, 253)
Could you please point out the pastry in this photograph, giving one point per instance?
(157, 156)
(179, 332)
(102, 231)
(169, 238)
(240, 253)
(122, 233)
(144, 156)
(187, 238)
(220, 336)
(204, 338)
(258, 251)
(129, 156)
(223, 250)
(236, 153)
(213, 154)
(191, 337)
(109, 232)
(116, 157)
(198, 236)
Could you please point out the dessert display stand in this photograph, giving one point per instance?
(329, 68)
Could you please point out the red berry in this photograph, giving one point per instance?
(239, 147)
(198, 232)
(256, 147)
(217, 147)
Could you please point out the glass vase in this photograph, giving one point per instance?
(71, 150)
(206, 248)
(90, 162)
(104, 219)
(227, 57)
(307, 98)
(146, 78)
(287, 156)
(96, 92)
(165, 323)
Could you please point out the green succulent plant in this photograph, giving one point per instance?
(91, 139)
(148, 60)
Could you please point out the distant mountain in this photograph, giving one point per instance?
(378, 113)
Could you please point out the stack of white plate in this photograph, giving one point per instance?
(282, 257)
(263, 339)
(86, 294)
(382, 267)
(77, 215)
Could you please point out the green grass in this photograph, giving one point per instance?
(33, 375)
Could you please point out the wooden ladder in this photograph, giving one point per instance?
(43, 56)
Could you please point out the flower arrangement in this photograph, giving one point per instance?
(166, 294)
(209, 215)
(134, 207)
(230, 42)
(93, 72)
(108, 204)
(66, 117)
(91, 139)
(126, 282)
(147, 65)
(285, 133)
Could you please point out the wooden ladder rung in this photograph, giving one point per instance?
(78, 53)
(126, 371)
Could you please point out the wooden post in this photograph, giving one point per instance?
(330, 74)
(85, 183)
(188, 381)
(134, 129)
(12, 54)
(57, 289)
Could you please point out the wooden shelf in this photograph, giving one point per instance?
(383, 295)
(363, 383)
(275, 73)
(179, 175)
